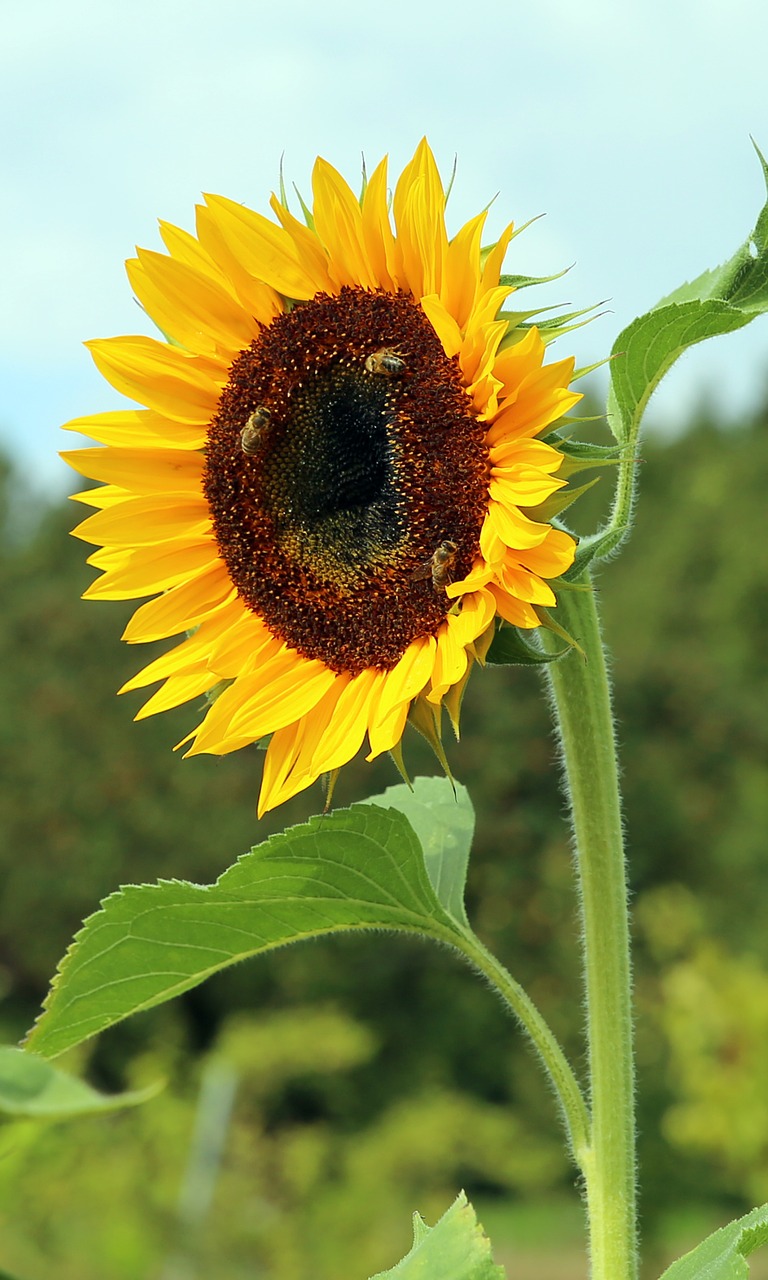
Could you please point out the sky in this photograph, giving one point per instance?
(627, 124)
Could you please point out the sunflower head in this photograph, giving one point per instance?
(337, 488)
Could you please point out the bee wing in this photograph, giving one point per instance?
(424, 571)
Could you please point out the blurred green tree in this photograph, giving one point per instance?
(90, 800)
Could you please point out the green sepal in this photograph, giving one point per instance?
(456, 1248)
(426, 719)
(307, 212)
(328, 781)
(723, 1255)
(396, 756)
(519, 320)
(523, 282)
(488, 249)
(556, 326)
(585, 369)
(557, 502)
(588, 550)
(519, 323)
(452, 178)
(510, 648)
(586, 453)
(546, 620)
(453, 698)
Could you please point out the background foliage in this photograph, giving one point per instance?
(308, 1069)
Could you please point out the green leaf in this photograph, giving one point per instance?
(454, 1249)
(524, 282)
(582, 454)
(722, 1256)
(443, 818)
(31, 1087)
(716, 302)
(650, 345)
(359, 868)
(510, 648)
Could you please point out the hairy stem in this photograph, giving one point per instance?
(556, 1065)
(582, 710)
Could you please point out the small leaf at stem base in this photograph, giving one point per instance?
(454, 1249)
(723, 1255)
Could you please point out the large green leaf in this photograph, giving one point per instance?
(723, 1256)
(454, 1249)
(716, 302)
(31, 1087)
(443, 818)
(359, 868)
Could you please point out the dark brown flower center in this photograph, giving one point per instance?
(343, 458)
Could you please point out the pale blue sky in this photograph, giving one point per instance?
(627, 124)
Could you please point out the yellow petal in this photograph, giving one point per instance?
(243, 648)
(266, 251)
(157, 375)
(138, 427)
(516, 362)
(443, 323)
(181, 608)
(141, 521)
(187, 249)
(344, 734)
(450, 661)
(143, 471)
(552, 557)
(279, 780)
(259, 299)
(513, 528)
(175, 691)
(518, 582)
(308, 246)
(495, 259)
(419, 210)
(407, 678)
(377, 229)
(285, 687)
(480, 574)
(339, 224)
(190, 306)
(102, 496)
(462, 269)
(155, 568)
(515, 611)
(522, 486)
(533, 453)
(191, 655)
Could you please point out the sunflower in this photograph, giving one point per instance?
(333, 488)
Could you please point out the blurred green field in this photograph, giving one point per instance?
(369, 1077)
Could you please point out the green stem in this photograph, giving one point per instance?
(555, 1063)
(581, 704)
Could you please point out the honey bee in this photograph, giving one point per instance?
(253, 432)
(439, 566)
(387, 361)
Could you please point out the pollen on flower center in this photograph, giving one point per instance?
(368, 458)
(330, 478)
